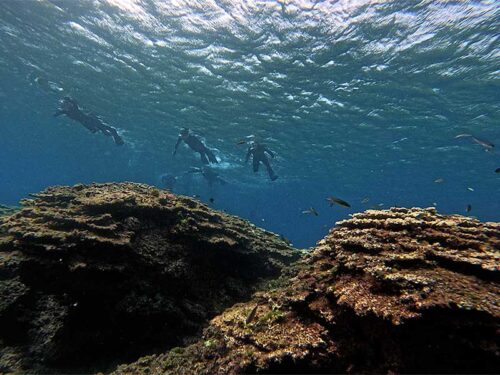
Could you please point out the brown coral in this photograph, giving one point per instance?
(94, 275)
(403, 290)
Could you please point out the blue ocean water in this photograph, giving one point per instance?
(359, 99)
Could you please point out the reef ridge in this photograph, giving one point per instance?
(399, 290)
(96, 275)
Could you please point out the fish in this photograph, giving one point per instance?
(488, 146)
(468, 208)
(497, 170)
(340, 202)
(470, 189)
(439, 180)
(252, 314)
(241, 142)
(211, 200)
(311, 211)
(365, 200)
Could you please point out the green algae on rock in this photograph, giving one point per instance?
(92, 276)
(401, 290)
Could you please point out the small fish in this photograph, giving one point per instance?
(470, 189)
(310, 211)
(365, 200)
(488, 146)
(497, 170)
(252, 314)
(439, 180)
(468, 208)
(340, 202)
(211, 200)
(241, 142)
(434, 204)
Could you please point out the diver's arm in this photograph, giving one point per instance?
(271, 154)
(248, 154)
(179, 140)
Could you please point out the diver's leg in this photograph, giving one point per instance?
(256, 163)
(211, 156)
(204, 159)
(270, 171)
(90, 128)
(110, 131)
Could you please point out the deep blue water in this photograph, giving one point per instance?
(359, 99)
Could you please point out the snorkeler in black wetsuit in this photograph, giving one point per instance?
(209, 175)
(258, 151)
(69, 107)
(196, 145)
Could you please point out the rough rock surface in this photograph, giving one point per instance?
(7, 210)
(403, 290)
(92, 276)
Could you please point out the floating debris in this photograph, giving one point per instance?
(439, 180)
(310, 211)
(487, 145)
(468, 208)
(340, 202)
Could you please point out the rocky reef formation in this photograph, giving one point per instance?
(402, 290)
(7, 210)
(92, 276)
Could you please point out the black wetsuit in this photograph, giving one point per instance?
(207, 156)
(209, 174)
(258, 152)
(69, 107)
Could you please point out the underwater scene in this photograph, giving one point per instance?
(162, 160)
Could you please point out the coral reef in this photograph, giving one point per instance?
(7, 210)
(92, 276)
(401, 290)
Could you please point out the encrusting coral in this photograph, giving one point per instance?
(96, 275)
(401, 290)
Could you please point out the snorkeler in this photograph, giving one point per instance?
(207, 156)
(69, 107)
(258, 151)
(208, 174)
(168, 181)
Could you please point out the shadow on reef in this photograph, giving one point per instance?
(93, 276)
(402, 290)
